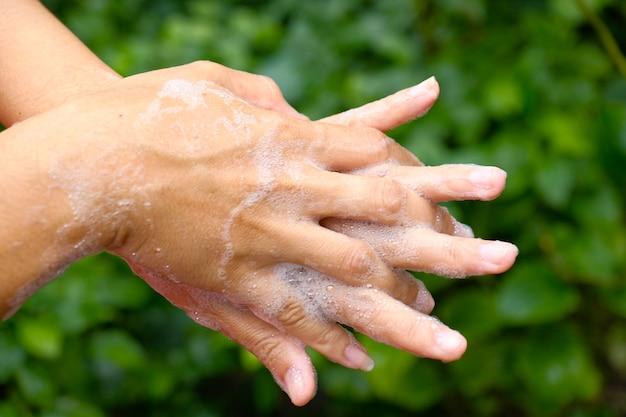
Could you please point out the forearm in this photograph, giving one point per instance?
(42, 64)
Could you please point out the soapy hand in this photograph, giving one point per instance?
(282, 305)
(217, 201)
(394, 323)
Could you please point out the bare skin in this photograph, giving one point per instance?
(213, 189)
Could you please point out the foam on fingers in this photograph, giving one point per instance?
(389, 321)
(294, 299)
(419, 247)
(445, 182)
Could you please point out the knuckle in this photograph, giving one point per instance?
(271, 86)
(269, 93)
(358, 259)
(381, 145)
(391, 197)
(283, 128)
(292, 314)
(412, 331)
(322, 339)
(266, 348)
(449, 253)
(203, 65)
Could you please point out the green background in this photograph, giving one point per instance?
(527, 85)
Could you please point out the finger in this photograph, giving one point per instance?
(425, 250)
(258, 90)
(387, 320)
(445, 182)
(337, 148)
(350, 261)
(262, 91)
(424, 302)
(284, 356)
(342, 148)
(376, 199)
(288, 296)
(392, 111)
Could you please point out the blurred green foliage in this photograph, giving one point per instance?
(525, 85)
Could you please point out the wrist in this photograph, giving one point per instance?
(49, 218)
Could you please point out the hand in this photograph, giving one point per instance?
(286, 357)
(127, 181)
(147, 173)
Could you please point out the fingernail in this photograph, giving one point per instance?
(495, 252)
(427, 85)
(294, 383)
(358, 358)
(484, 177)
(449, 340)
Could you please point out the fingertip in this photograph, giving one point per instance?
(451, 344)
(427, 92)
(432, 86)
(300, 384)
(490, 181)
(358, 357)
(500, 255)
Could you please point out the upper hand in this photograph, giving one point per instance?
(309, 311)
(150, 172)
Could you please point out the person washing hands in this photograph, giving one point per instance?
(257, 222)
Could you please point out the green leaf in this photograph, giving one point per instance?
(591, 257)
(482, 367)
(118, 348)
(72, 407)
(504, 97)
(40, 336)
(533, 294)
(472, 312)
(601, 208)
(348, 384)
(615, 299)
(8, 409)
(160, 382)
(36, 385)
(12, 355)
(403, 379)
(565, 135)
(616, 348)
(248, 361)
(555, 182)
(556, 368)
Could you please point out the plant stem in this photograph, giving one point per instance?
(606, 38)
